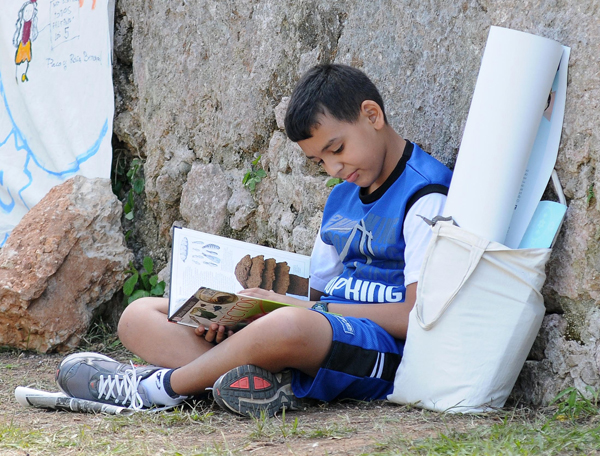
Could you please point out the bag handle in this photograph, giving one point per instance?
(476, 251)
(558, 188)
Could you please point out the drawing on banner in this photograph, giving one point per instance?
(26, 32)
(21, 144)
(64, 21)
(53, 127)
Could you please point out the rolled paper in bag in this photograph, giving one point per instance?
(511, 93)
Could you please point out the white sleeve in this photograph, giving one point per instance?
(325, 264)
(417, 233)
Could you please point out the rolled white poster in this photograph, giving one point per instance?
(541, 160)
(511, 94)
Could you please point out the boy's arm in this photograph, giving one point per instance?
(315, 295)
(325, 264)
(393, 316)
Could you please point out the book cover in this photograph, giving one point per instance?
(208, 306)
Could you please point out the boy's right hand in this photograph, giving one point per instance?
(215, 334)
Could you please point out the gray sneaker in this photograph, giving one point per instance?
(249, 390)
(97, 377)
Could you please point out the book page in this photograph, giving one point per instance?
(205, 260)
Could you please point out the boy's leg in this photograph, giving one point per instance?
(287, 337)
(146, 332)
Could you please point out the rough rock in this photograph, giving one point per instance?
(204, 198)
(280, 110)
(64, 260)
(241, 206)
(208, 77)
(564, 362)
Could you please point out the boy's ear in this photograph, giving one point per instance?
(372, 111)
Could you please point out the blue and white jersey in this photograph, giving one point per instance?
(367, 230)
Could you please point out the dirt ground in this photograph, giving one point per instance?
(333, 429)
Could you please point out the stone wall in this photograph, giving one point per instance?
(197, 86)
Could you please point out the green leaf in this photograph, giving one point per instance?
(129, 215)
(564, 392)
(246, 177)
(145, 281)
(130, 284)
(154, 280)
(138, 186)
(251, 184)
(256, 160)
(261, 173)
(117, 187)
(334, 181)
(137, 295)
(148, 264)
(159, 289)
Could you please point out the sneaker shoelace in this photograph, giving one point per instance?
(125, 385)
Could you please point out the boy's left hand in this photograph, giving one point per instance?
(272, 296)
(215, 333)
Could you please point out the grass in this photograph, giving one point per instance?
(506, 438)
(520, 434)
(570, 426)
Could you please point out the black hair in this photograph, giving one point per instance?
(338, 90)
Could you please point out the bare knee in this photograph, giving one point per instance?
(138, 317)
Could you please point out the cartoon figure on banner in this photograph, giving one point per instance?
(26, 32)
(81, 2)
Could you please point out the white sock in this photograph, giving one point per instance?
(156, 390)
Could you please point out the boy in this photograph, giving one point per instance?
(365, 266)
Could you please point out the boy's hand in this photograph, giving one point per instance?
(215, 333)
(272, 296)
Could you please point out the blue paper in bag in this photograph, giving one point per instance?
(544, 225)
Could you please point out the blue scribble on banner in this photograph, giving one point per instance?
(21, 144)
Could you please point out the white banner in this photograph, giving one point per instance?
(56, 99)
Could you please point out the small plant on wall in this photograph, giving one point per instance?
(333, 181)
(127, 181)
(254, 175)
(137, 186)
(142, 283)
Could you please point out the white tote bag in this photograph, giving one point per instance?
(476, 316)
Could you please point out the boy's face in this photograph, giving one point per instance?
(354, 152)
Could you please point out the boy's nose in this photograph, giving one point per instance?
(333, 167)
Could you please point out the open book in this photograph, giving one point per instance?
(207, 271)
